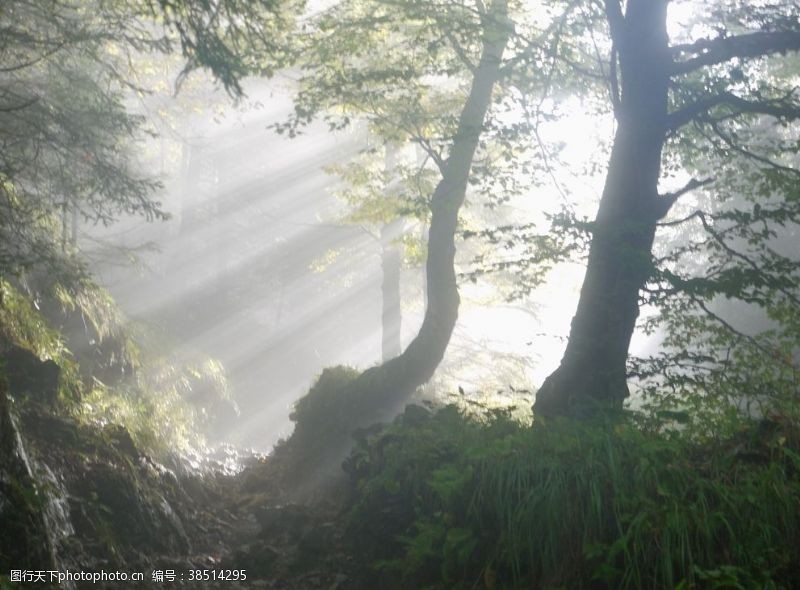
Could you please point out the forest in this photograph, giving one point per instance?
(400, 294)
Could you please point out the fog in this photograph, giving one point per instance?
(258, 267)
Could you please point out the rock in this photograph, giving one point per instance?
(26, 374)
(24, 543)
(257, 559)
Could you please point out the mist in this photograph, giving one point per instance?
(259, 268)
(396, 294)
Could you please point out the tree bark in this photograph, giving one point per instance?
(592, 372)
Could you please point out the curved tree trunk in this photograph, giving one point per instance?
(391, 269)
(397, 378)
(593, 370)
(327, 416)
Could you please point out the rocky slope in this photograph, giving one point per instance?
(82, 498)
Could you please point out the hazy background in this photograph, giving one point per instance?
(257, 268)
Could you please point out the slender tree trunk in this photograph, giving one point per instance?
(327, 416)
(391, 266)
(64, 234)
(593, 369)
(73, 236)
(403, 374)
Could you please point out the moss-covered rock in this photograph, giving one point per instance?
(24, 543)
(26, 374)
(328, 419)
(118, 502)
(326, 403)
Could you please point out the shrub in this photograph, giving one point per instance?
(451, 501)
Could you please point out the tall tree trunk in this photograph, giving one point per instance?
(397, 378)
(593, 369)
(332, 410)
(391, 266)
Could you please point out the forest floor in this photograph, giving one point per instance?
(106, 506)
(438, 498)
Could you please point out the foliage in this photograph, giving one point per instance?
(401, 70)
(727, 275)
(154, 407)
(450, 501)
(732, 102)
(378, 195)
(66, 132)
(232, 38)
(523, 254)
(22, 323)
(112, 371)
(67, 77)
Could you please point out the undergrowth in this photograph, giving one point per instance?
(447, 500)
(112, 372)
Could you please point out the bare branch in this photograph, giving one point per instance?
(34, 61)
(733, 145)
(460, 52)
(728, 326)
(429, 150)
(555, 31)
(682, 220)
(735, 254)
(20, 106)
(690, 186)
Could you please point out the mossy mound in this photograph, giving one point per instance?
(328, 405)
(340, 404)
(308, 462)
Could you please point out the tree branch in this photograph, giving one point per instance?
(681, 221)
(735, 254)
(20, 106)
(616, 20)
(664, 203)
(460, 52)
(781, 109)
(731, 144)
(714, 51)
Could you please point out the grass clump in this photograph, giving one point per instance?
(451, 501)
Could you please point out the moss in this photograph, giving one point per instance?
(22, 323)
(327, 403)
